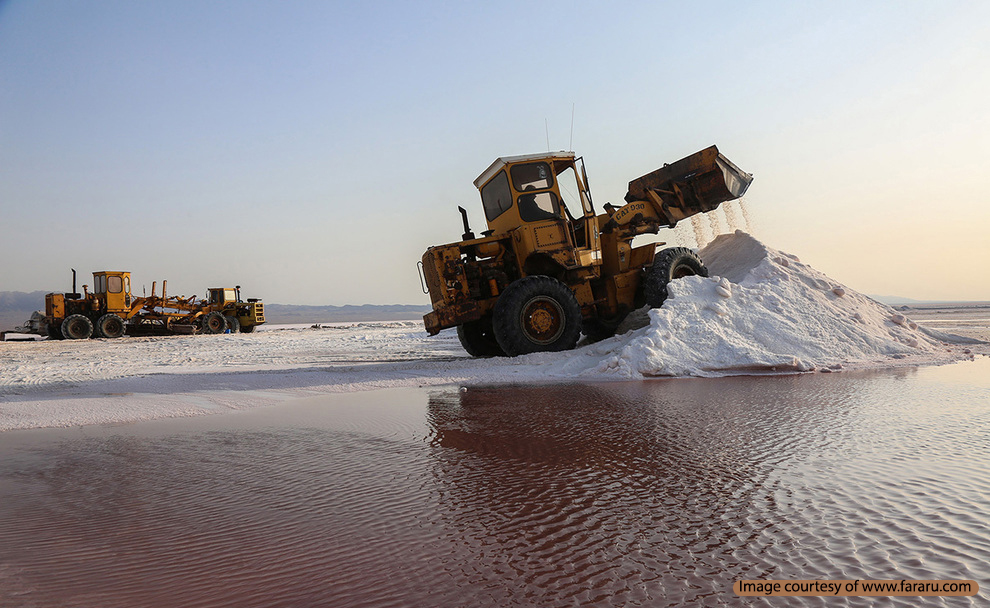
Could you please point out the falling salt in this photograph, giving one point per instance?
(730, 215)
(745, 212)
(699, 231)
(714, 224)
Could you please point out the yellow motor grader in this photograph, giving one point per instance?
(110, 311)
(550, 267)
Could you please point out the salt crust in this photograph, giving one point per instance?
(760, 311)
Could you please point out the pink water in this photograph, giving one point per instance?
(657, 493)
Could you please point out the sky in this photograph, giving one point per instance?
(311, 151)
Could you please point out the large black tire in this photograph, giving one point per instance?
(233, 323)
(536, 314)
(246, 329)
(478, 338)
(601, 329)
(214, 323)
(668, 265)
(77, 327)
(110, 326)
(54, 331)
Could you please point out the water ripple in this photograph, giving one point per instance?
(650, 493)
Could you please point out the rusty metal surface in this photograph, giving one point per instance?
(550, 236)
(694, 184)
(451, 315)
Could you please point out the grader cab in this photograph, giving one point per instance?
(550, 267)
(101, 313)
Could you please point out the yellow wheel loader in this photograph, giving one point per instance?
(549, 267)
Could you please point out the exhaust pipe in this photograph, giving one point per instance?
(468, 235)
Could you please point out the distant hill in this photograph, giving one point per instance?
(894, 300)
(912, 303)
(291, 313)
(16, 308)
(19, 300)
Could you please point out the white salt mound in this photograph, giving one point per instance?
(760, 310)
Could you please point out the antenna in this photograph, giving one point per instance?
(546, 122)
(570, 144)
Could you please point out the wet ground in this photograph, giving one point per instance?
(658, 493)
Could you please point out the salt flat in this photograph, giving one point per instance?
(761, 311)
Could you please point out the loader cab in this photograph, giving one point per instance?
(542, 200)
(113, 288)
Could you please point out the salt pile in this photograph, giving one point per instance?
(760, 310)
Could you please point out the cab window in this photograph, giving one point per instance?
(532, 176)
(115, 284)
(100, 283)
(496, 197)
(538, 206)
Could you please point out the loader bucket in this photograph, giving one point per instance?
(696, 184)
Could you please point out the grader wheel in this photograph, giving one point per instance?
(77, 327)
(214, 323)
(109, 326)
(54, 331)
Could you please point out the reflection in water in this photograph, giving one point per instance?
(644, 493)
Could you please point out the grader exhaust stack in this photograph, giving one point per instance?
(695, 184)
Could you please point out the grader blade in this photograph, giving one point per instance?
(696, 184)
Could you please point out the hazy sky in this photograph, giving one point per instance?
(311, 151)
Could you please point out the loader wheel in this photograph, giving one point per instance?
(478, 338)
(233, 324)
(214, 323)
(669, 264)
(246, 329)
(601, 329)
(536, 313)
(77, 327)
(109, 326)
